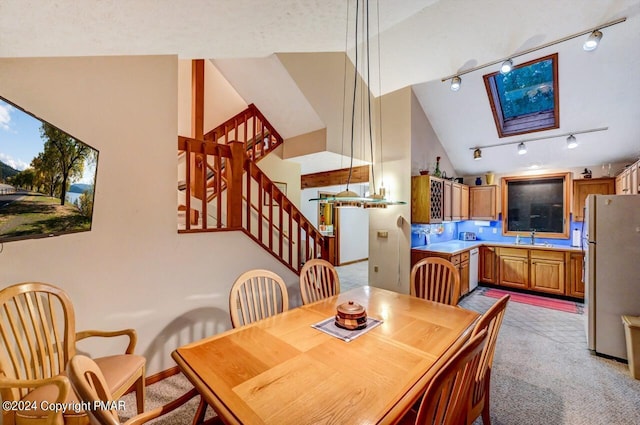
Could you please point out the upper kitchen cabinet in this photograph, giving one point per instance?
(628, 181)
(483, 203)
(427, 199)
(584, 187)
(456, 201)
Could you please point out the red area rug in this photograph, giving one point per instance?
(552, 303)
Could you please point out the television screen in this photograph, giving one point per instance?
(47, 178)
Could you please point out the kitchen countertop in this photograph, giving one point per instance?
(455, 246)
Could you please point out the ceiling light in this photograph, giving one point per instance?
(572, 142)
(522, 148)
(506, 66)
(593, 41)
(477, 154)
(455, 83)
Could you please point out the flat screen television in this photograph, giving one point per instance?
(47, 177)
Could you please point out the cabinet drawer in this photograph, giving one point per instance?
(464, 256)
(514, 252)
(547, 255)
(455, 259)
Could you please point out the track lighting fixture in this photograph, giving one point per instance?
(593, 41)
(455, 83)
(506, 66)
(595, 35)
(522, 148)
(572, 142)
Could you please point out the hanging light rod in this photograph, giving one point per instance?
(533, 49)
(535, 139)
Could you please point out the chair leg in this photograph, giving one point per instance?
(486, 417)
(200, 412)
(140, 393)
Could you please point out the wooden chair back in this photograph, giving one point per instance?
(446, 400)
(37, 326)
(89, 383)
(435, 279)
(318, 280)
(256, 295)
(490, 322)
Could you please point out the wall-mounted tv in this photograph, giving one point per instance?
(47, 178)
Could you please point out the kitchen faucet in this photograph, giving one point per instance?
(533, 237)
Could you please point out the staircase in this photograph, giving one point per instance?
(236, 195)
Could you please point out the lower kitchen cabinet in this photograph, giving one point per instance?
(547, 271)
(461, 261)
(575, 288)
(513, 267)
(488, 267)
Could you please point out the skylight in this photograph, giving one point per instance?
(525, 99)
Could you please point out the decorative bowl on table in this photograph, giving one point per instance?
(351, 316)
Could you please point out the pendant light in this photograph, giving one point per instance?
(348, 198)
(522, 148)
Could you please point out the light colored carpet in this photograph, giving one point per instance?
(542, 374)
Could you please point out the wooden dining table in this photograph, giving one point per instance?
(281, 370)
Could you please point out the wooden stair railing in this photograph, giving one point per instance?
(251, 203)
(251, 128)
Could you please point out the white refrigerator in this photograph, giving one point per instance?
(612, 270)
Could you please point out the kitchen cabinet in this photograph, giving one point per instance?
(488, 267)
(584, 187)
(634, 178)
(464, 202)
(575, 287)
(447, 204)
(628, 181)
(513, 267)
(483, 203)
(547, 270)
(460, 261)
(427, 200)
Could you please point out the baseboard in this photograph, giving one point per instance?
(157, 377)
(346, 263)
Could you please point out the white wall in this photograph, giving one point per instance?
(132, 269)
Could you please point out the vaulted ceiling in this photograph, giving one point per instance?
(421, 42)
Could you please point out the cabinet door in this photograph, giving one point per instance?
(513, 266)
(447, 202)
(456, 201)
(633, 178)
(547, 271)
(464, 278)
(487, 269)
(417, 255)
(436, 197)
(482, 203)
(576, 281)
(464, 202)
(584, 187)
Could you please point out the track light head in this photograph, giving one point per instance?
(572, 142)
(506, 66)
(477, 154)
(455, 83)
(522, 148)
(593, 41)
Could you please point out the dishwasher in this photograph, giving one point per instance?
(473, 269)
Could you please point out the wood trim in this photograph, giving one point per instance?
(335, 177)
(163, 374)
(568, 184)
(346, 263)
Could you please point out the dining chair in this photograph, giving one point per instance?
(490, 321)
(435, 279)
(445, 402)
(37, 326)
(318, 280)
(89, 383)
(255, 295)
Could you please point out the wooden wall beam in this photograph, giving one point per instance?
(335, 177)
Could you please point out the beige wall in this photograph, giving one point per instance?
(283, 171)
(132, 269)
(391, 255)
